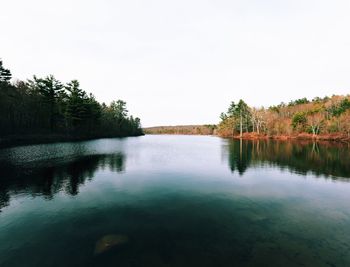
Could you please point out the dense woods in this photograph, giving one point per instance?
(46, 106)
(323, 118)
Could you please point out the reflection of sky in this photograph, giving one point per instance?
(60, 151)
(173, 164)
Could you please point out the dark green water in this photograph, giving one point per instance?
(175, 201)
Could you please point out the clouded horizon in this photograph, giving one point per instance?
(182, 62)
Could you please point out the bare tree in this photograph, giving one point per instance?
(344, 123)
(258, 119)
(315, 121)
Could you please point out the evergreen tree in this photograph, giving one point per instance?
(45, 104)
(50, 89)
(5, 74)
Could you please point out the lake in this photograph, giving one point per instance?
(175, 201)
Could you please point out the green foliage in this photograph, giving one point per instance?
(277, 108)
(274, 109)
(223, 116)
(237, 117)
(50, 90)
(45, 105)
(119, 110)
(5, 74)
(317, 99)
(299, 102)
(337, 110)
(210, 126)
(299, 120)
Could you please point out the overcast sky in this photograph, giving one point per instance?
(183, 61)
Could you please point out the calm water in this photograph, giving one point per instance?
(175, 201)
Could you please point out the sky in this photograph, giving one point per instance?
(182, 62)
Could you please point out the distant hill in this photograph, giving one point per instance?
(182, 129)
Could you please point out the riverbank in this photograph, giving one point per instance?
(17, 140)
(197, 130)
(301, 136)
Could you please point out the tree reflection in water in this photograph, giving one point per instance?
(320, 158)
(50, 177)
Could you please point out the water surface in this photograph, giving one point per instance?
(175, 201)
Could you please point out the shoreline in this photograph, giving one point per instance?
(254, 136)
(301, 136)
(22, 140)
(34, 139)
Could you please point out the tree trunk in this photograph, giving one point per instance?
(241, 125)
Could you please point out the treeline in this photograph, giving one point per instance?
(182, 129)
(327, 117)
(46, 106)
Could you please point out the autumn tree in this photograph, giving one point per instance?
(344, 122)
(258, 119)
(315, 121)
(326, 115)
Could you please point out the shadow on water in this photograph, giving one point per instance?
(48, 177)
(326, 159)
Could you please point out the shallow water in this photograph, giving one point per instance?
(175, 201)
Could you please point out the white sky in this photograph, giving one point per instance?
(183, 61)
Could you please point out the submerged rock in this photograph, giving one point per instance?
(109, 241)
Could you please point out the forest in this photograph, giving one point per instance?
(325, 118)
(47, 107)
